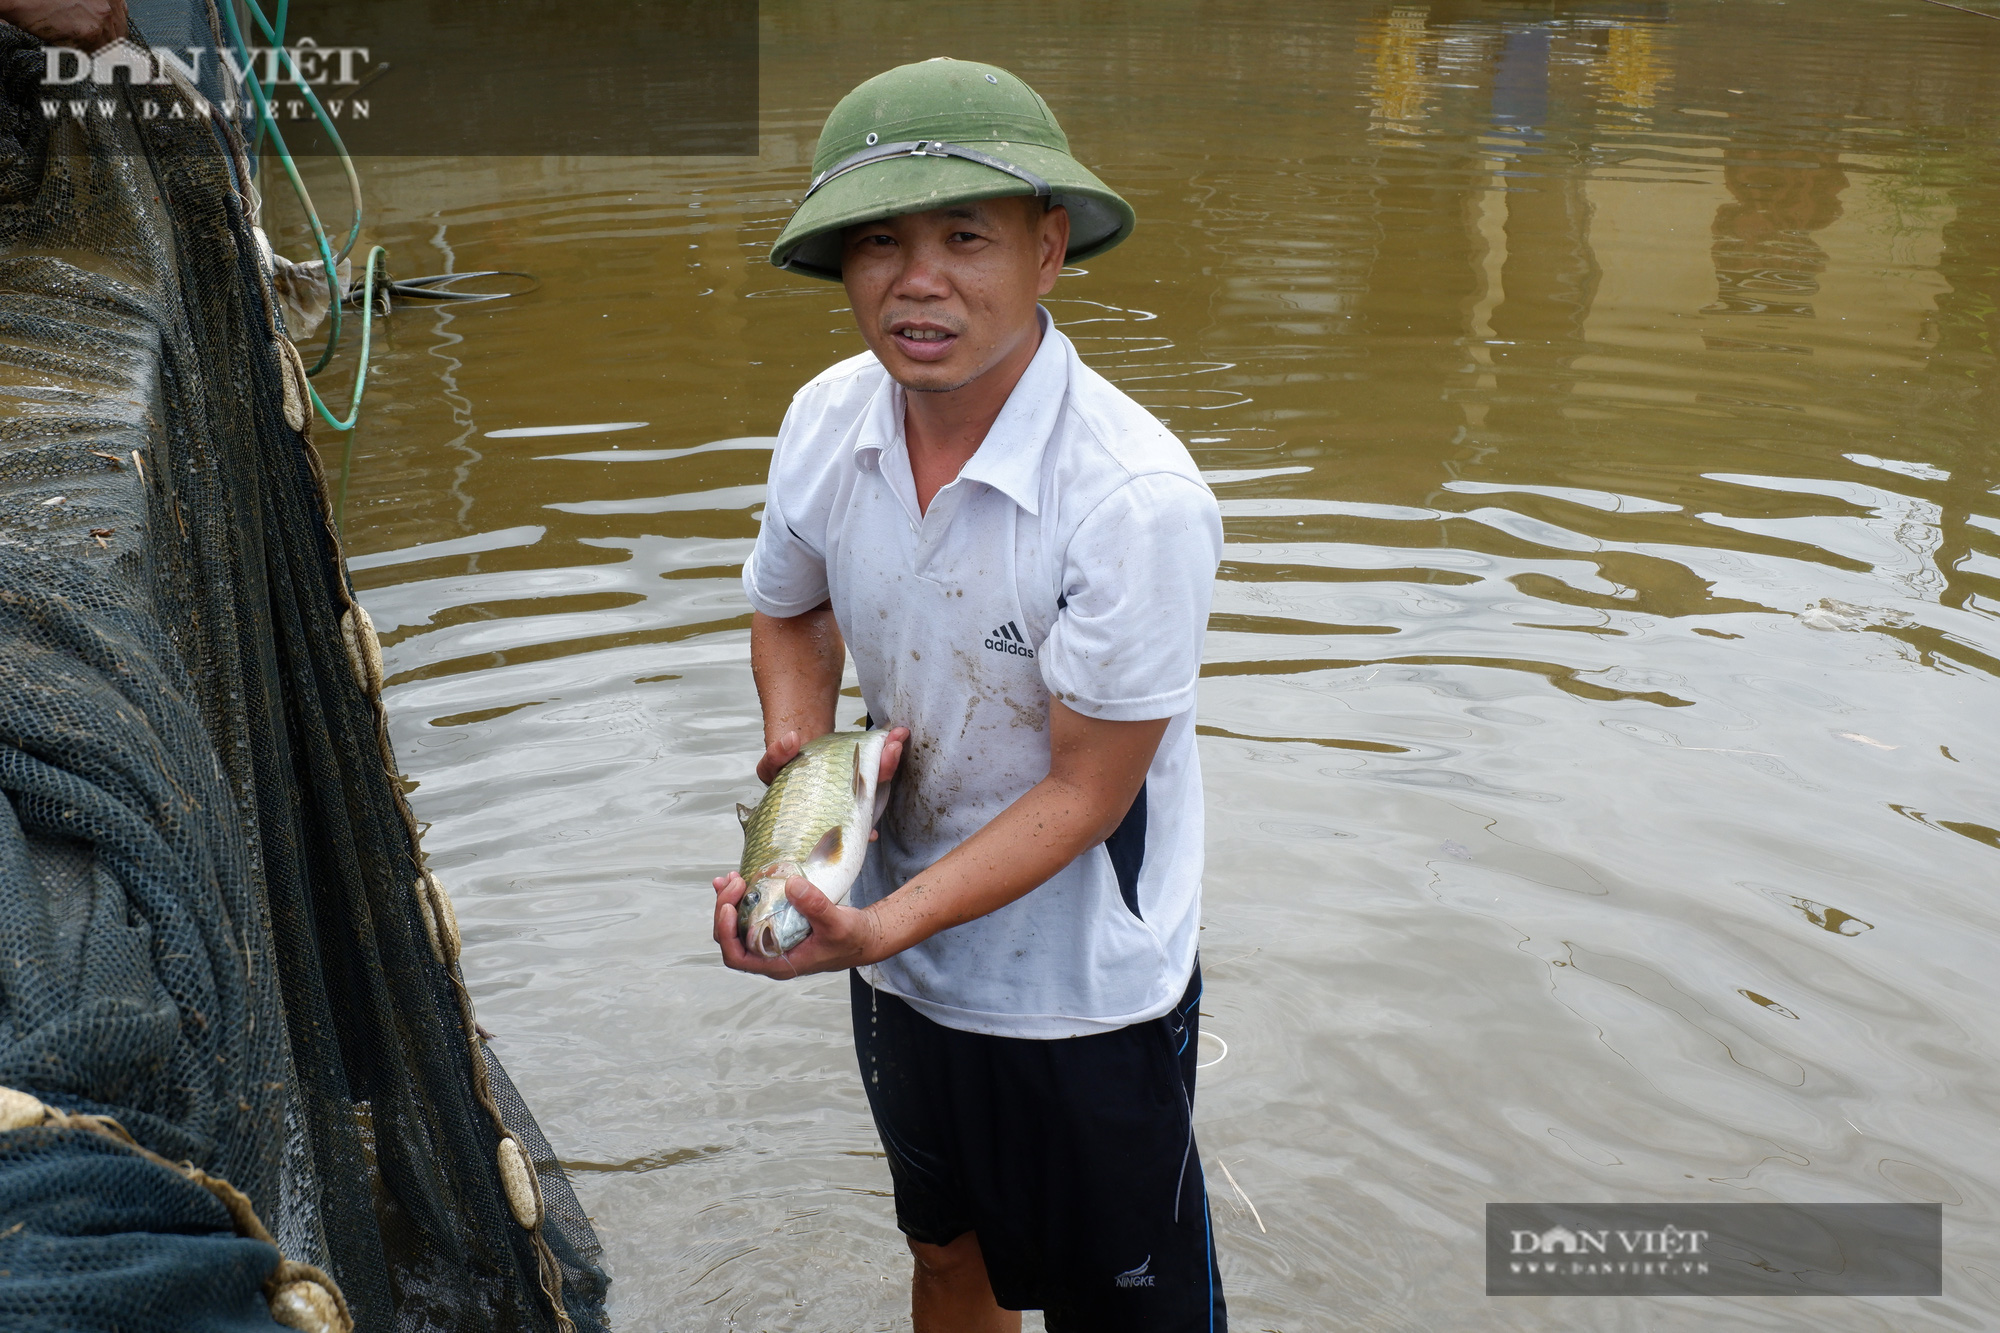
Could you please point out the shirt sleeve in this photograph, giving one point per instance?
(1138, 577)
(785, 574)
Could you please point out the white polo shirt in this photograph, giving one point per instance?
(1074, 555)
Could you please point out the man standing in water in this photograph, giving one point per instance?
(1020, 559)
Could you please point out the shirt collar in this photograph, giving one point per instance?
(1009, 459)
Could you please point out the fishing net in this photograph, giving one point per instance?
(231, 1018)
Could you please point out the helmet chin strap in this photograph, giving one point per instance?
(926, 148)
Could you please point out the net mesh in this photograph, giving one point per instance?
(213, 925)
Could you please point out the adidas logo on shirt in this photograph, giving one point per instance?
(1008, 639)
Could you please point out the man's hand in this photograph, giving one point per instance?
(842, 937)
(786, 748)
(779, 753)
(85, 24)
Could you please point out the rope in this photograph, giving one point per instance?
(300, 1295)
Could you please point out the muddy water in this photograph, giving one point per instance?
(1600, 714)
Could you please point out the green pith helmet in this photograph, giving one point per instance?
(933, 134)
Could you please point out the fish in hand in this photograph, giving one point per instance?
(814, 821)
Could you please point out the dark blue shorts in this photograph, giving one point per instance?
(1073, 1160)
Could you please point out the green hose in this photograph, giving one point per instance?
(275, 34)
(360, 384)
(267, 124)
(361, 370)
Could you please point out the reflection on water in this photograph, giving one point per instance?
(1599, 714)
(1765, 260)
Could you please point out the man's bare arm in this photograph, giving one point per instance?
(1095, 771)
(796, 661)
